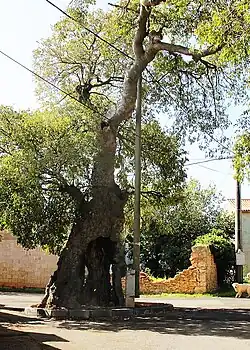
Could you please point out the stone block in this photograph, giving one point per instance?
(122, 313)
(142, 311)
(35, 312)
(59, 314)
(130, 301)
(79, 314)
(100, 313)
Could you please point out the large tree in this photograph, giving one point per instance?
(192, 55)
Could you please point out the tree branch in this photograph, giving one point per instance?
(126, 105)
(143, 56)
(195, 54)
(141, 32)
(73, 191)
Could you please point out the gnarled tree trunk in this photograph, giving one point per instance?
(93, 249)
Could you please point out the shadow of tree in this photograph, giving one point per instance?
(222, 328)
(13, 338)
(10, 323)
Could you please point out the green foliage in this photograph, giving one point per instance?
(192, 93)
(242, 157)
(223, 249)
(44, 152)
(162, 163)
(41, 152)
(169, 229)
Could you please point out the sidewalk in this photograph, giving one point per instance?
(204, 308)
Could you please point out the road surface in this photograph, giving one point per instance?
(17, 331)
(24, 299)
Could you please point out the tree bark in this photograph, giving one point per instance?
(83, 275)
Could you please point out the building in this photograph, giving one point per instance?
(245, 238)
(20, 268)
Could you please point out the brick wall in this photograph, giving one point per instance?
(200, 277)
(21, 268)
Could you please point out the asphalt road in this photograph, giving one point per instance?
(24, 333)
(19, 332)
(23, 300)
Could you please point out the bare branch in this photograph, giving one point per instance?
(196, 55)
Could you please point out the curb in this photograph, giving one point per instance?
(168, 312)
(99, 313)
(12, 308)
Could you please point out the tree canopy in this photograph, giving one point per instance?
(46, 162)
(197, 72)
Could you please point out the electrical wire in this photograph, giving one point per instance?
(215, 170)
(46, 81)
(128, 56)
(67, 94)
(71, 96)
(89, 30)
(208, 160)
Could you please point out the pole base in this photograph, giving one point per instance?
(130, 302)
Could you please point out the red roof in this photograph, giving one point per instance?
(245, 204)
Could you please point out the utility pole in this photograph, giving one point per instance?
(137, 209)
(238, 235)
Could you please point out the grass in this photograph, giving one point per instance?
(175, 295)
(22, 290)
(223, 292)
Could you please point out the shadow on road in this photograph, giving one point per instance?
(13, 338)
(236, 329)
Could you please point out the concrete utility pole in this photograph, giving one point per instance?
(137, 209)
(238, 235)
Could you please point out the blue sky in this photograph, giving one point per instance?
(23, 23)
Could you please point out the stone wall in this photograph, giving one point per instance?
(21, 268)
(200, 277)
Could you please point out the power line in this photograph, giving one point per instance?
(53, 85)
(221, 144)
(208, 160)
(89, 30)
(215, 170)
(128, 56)
(46, 81)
